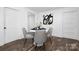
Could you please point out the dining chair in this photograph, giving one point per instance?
(40, 37)
(27, 35)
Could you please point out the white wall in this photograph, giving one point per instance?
(65, 22)
(22, 22)
(57, 21)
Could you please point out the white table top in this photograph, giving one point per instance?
(35, 30)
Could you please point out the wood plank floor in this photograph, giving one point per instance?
(58, 44)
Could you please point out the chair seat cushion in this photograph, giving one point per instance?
(29, 36)
(48, 35)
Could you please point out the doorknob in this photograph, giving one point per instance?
(4, 27)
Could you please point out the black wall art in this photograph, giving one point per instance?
(47, 19)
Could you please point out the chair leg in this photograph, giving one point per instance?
(50, 39)
(24, 43)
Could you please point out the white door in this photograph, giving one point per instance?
(31, 21)
(1, 27)
(11, 17)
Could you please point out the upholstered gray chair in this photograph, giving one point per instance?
(40, 37)
(27, 35)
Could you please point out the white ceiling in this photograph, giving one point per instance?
(42, 9)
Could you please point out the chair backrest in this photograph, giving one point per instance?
(24, 32)
(40, 36)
